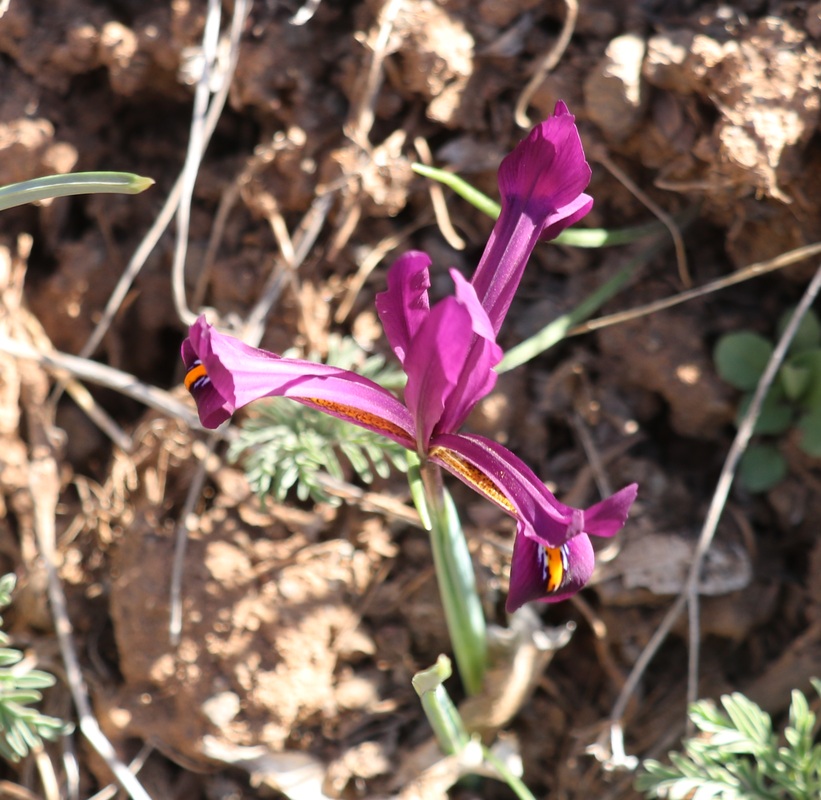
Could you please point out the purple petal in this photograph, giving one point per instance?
(566, 216)
(502, 477)
(450, 363)
(225, 374)
(404, 306)
(548, 167)
(542, 183)
(607, 518)
(434, 363)
(548, 575)
(477, 377)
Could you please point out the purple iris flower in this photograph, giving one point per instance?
(448, 352)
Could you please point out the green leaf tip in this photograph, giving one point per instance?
(73, 183)
(428, 680)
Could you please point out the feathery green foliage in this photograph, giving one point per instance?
(22, 728)
(737, 756)
(285, 444)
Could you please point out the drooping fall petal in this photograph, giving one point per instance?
(548, 574)
(506, 480)
(224, 374)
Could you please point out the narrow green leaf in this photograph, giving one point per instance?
(556, 330)
(17, 194)
(572, 237)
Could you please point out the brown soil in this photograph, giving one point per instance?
(302, 625)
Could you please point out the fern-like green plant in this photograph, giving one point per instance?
(285, 444)
(737, 756)
(22, 728)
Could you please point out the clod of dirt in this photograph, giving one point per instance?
(764, 85)
(666, 353)
(268, 617)
(28, 149)
(612, 91)
(436, 58)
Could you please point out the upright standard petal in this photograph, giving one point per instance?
(224, 374)
(434, 363)
(541, 185)
(477, 377)
(404, 306)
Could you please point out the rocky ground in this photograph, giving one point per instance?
(302, 624)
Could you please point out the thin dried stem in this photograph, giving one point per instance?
(592, 454)
(168, 210)
(63, 364)
(303, 240)
(48, 776)
(678, 241)
(745, 274)
(547, 64)
(135, 765)
(689, 595)
(184, 525)
(193, 156)
(44, 486)
(725, 480)
(358, 130)
(437, 199)
(370, 263)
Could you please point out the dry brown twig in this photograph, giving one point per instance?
(371, 262)
(600, 155)
(437, 199)
(547, 64)
(44, 487)
(63, 365)
(209, 72)
(689, 596)
(169, 209)
(745, 274)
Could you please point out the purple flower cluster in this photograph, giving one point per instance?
(448, 352)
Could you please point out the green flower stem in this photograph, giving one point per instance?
(16, 194)
(573, 237)
(454, 574)
(448, 727)
(439, 708)
(512, 780)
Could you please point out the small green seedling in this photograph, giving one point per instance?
(22, 728)
(793, 402)
(736, 755)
